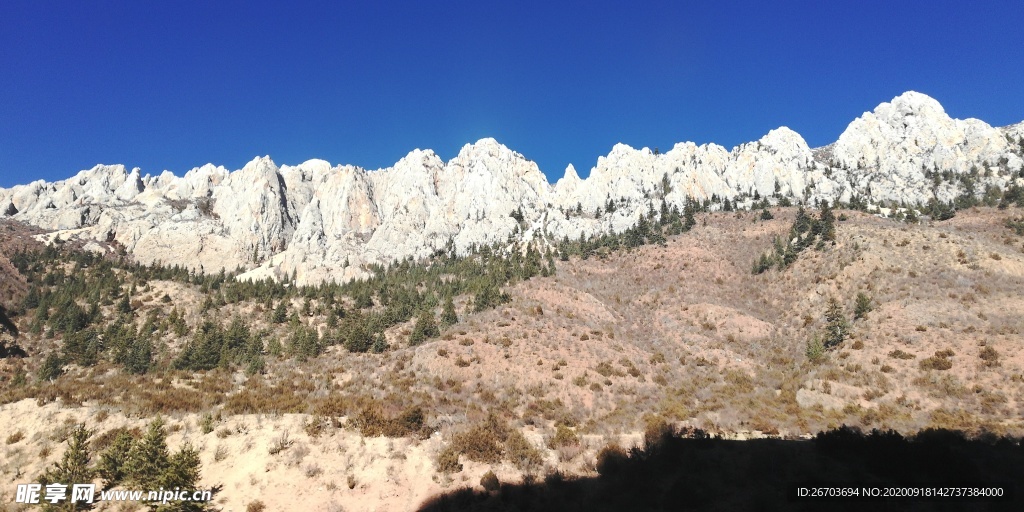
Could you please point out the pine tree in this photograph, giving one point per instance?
(140, 357)
(113, 460)
(124, 306)
(424, 328)
(148, 458)
(280, 313)
(52, 368)
(448, 316)
(149, 465)
(837, 328)
(828, 223)
(183, 471)
(73, 467)
(801, 224)
(688, 221)
(380, 343)
(357, 339)
(863, 306)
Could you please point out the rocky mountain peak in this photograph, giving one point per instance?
(313, 218)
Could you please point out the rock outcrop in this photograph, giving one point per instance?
(320, 222)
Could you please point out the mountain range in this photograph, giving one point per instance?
(315, 222)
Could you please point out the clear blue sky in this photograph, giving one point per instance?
(173, 84)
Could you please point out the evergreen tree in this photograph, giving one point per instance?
(183, 471)
(802, 223)
(73, 468)
(256, 364)
(837, 328)
(828, 223)
(280, 314)
(424, 328)
(150, 465)
(140, 357)
(448, 316)
(82, 347)
(124, 306)
(688, 221)
(380, 343)
(489, 297)
(148, 458)
(863, 306)
(52, 368)
(113, 460)
(357, 339)
(912, 217)
(304, 342)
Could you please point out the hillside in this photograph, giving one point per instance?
(297, 401)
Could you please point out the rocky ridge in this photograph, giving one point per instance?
(315, 221)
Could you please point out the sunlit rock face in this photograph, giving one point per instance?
(317, 222)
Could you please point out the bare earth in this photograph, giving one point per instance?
(684, 332)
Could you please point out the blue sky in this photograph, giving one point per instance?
(173, 85)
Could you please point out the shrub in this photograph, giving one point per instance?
(372, 422)
(863, 306)
(313, 470)
(490, 481)
(483, 443)
(815, 350)
(521, 453)
(207, 423)
(220, 453)
(1016, 224)
(15, 437)
(940, 361)
(605, 369)
(899, 354)
(656, 431)
(280, 444)
(564, 436)
(989, 356)
(611, 460)
(448, 461)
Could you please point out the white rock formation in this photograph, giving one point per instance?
(320, 222)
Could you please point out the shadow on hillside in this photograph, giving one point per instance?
(694, 472)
